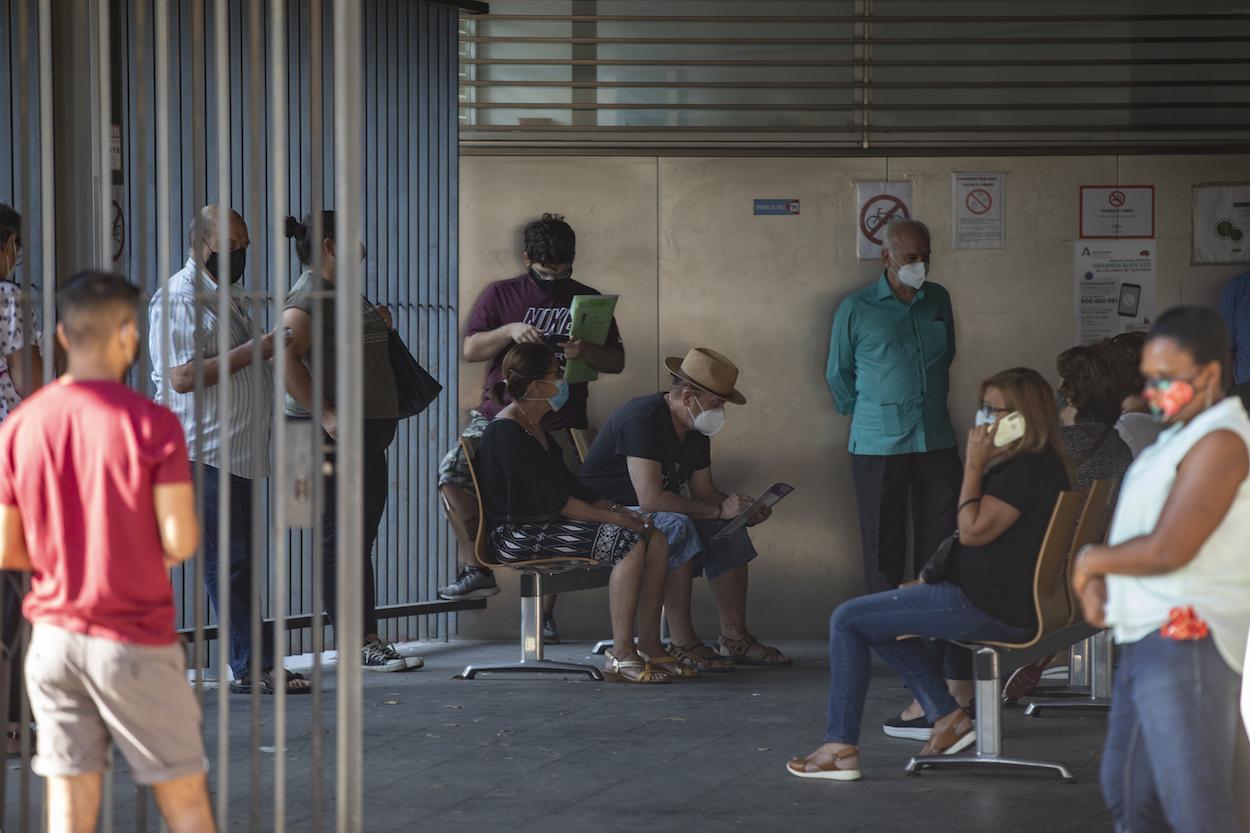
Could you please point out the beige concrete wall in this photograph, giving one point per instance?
(676, 237)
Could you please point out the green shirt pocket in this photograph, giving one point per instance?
(933, 341)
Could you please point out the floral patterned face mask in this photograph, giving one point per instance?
(1168, 397)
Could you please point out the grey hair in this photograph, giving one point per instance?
(892, 231)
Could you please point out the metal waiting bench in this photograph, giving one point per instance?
(1079, 518)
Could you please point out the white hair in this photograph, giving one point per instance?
(893, 229)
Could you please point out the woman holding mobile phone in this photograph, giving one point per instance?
(1016, 467)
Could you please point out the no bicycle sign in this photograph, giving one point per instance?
(879, 204)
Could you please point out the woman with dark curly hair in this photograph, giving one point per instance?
(1137, 427)
(1091, 392)
(1091, 384)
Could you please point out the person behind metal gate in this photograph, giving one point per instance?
(21, 374)
(650, 450)
(380, 408)
(536, 508)
(191, 350)
(96, 502)
(532, 308)
(1173, 583)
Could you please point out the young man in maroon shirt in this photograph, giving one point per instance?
(533, 307)
(96, 502)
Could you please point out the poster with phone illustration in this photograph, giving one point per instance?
(1116, 287)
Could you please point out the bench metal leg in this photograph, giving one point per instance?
(989, 731)
(1101, 662)
(532, 661)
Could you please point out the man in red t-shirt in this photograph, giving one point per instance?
(96, 502)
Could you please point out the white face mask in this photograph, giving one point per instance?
(986, 418)
(913, 274)
(708, 423)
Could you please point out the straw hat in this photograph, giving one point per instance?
(709, 371)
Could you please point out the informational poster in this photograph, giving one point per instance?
(979, 210)
(1222, 223)
(1117, 211)
(878, 203)
(1116, 287)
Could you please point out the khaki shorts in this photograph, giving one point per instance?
(88, 691)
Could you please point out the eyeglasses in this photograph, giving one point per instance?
(990, 410)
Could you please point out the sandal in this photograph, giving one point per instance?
(671, 666)
(798, 767)
(751, 651)
(699, 657)
(632, 671)
(295, 683)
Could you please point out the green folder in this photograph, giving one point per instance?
(591, 320)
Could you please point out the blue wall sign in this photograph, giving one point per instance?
(768, 208)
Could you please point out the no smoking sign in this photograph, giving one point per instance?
(979, 201)
(1110, 212)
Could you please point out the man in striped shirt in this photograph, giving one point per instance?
(183, 338)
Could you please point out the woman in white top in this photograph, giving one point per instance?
(1174, 586)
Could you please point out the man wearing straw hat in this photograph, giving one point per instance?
(651, 450)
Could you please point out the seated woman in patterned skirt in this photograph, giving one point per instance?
(536, 508)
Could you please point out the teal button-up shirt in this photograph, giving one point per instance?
(889, 368)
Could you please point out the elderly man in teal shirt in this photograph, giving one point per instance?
(889, 370)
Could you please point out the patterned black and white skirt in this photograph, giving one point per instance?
(562, 538)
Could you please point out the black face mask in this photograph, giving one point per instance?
(238, 262)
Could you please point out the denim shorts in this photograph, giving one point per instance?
(688, 541)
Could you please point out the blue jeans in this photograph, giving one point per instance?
(687, 541)
(240, 555)
(938, 611)
(1174, 740)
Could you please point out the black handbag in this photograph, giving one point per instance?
(415, 387)
(939, 563)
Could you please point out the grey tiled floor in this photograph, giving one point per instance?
(560, 754)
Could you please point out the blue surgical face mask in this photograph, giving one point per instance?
(561, 395)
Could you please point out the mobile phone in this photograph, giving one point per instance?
(1130, 299)
(1009, 429)
(775, 493)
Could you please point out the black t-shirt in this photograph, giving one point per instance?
(643, 428)
(998, 577)
(522, 482)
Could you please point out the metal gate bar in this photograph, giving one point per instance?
(219, 70)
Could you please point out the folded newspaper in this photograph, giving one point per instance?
(591, 317)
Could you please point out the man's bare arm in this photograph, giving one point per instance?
(175, 518)
(648, 484)
(182, 377)
(13, 554)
